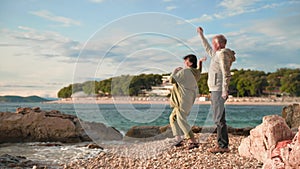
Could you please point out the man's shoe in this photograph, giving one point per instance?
(218, 149)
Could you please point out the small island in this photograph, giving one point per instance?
(22, 99)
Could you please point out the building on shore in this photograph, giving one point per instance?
(163, 90)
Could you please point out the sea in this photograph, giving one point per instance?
(123, 117)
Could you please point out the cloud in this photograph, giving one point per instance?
(66, 22)
(30, 88)
(40, 43)
(273, 41)
(97, 1)
(170, 8)
(203, 18)
(238, 6)
(264, 44)
(34, 58)
(230, 8)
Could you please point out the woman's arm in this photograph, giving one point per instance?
(203, 59)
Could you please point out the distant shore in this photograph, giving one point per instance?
(165, 100)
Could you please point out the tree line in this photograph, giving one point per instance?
(118, 86)
(244, 83)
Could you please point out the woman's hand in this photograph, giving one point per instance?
(203, 59)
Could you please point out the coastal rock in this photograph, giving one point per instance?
(265, 136)
(150, 133)
(285, 155)
(99, 132)
(94, 146)
(9, 161)
(35, 125)
(291, 113)
(143, 131)
(231, 130)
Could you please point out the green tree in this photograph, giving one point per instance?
(120, 85)
(243, 83)
(249, 83)
(103, 86)
(89, 87)
(243, 87)
(77, 87)
(202, 84)
(290, 82)
(65, 92)
(234, 81)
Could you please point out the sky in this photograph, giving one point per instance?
(46, 45)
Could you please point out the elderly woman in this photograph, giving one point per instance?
(182, 98)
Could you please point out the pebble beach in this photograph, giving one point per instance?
(165, 100)
(161, 154)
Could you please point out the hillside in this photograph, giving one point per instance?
(243, 83)
(22, 99)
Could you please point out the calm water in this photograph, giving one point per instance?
(124, 116)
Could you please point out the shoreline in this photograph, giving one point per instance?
(160, 100)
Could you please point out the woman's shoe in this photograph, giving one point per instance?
(178, 144)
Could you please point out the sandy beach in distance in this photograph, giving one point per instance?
(165, 100)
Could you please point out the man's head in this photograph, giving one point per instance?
(219, 42)
(190, 61)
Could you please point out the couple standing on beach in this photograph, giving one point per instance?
(185, 89)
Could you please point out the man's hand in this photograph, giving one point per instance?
(225, 95)
(200, 30)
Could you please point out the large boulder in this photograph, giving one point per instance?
(9, 161)
(99, 132)
(291, 113)
(148, 133)
(35, 125)
(264, 136)
(285, 154)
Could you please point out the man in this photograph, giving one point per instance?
(182, 98)
(218, 83)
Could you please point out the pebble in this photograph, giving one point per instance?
(161, 154)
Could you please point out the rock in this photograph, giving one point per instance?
(148, 133)
(36, 125)
(99, 132)
(291, 114)
(23, 110)
(151, 131)
(161, 154)
(285, 155)
(49, 144)
(263, 137)
(9, 161)
(234, 131)
(94, 146)
(143, 131)
(294, 151)
(36, 109)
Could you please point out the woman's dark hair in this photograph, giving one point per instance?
(192, 58)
